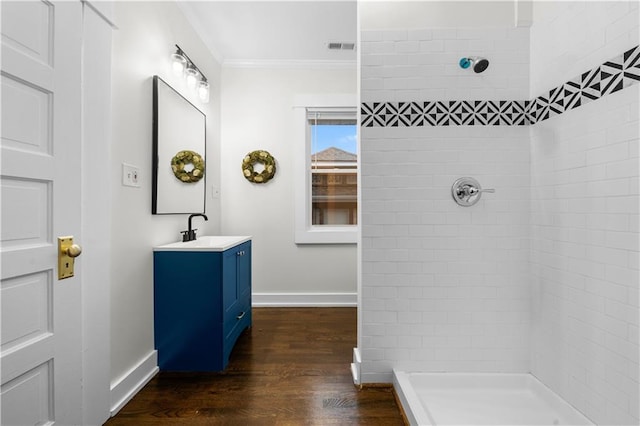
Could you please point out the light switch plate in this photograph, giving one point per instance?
(130, 175)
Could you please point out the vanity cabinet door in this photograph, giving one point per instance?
(187, 316)
(229, 278)
(236, 283)
(244, 271)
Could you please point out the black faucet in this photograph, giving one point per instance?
(190, 234)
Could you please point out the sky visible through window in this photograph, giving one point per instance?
(337, 136)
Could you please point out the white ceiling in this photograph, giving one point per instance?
(238, 31)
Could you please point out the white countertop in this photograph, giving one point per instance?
(205, 243)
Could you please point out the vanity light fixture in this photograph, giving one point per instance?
(178, 63)
(183, 66)
(192, 76)
(203, 91)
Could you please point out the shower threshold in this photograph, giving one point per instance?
(430, 399)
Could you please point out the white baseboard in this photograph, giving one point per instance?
(130, 383)
(305, 299)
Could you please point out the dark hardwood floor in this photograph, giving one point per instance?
(290, 368)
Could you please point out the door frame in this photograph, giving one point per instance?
(97, 178)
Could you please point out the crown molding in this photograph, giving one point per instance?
(192, 18)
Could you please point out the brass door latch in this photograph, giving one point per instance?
(67, 252)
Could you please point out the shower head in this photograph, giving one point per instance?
(479, 64)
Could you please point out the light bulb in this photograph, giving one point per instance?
(192, 77)
(178, 63)
(203, 91)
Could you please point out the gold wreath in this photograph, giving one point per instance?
(259, 157)
(183, 158)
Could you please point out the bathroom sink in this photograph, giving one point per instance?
(205, 243)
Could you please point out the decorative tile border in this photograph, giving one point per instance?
(613, 75)
(444, 113)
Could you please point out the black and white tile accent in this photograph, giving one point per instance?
(444, 113)
(613, 75)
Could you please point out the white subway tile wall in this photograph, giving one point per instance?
(570, 37)
(445, 287)
(541, 276)
(420, 65)
(584, 217)
(584, 235)
(606, 78)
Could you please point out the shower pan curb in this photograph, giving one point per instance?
(431, 399)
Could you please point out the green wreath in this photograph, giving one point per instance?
(259, 157)
(181, 159)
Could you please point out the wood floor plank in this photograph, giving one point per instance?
(290, 368)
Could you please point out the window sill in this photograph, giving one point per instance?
(328, 235)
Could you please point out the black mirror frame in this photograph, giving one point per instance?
(155, 154)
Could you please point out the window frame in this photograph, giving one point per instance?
(305, 232)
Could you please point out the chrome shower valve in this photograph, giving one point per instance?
(467, 191)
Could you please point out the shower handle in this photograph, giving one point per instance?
(473, 190)
(466, 191)
(470, 191)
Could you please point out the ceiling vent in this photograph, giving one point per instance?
(334, 45)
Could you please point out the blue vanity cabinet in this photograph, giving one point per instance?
(202, 303)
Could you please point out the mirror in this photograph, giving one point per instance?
(179, 153)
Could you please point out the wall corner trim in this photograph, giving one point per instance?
(130, 383)
(310, 300)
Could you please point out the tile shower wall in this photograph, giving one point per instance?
(585, 257)
(444, 287)
(606, 78)
(585, 205)
(422, 65)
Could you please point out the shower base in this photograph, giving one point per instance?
(430, 399)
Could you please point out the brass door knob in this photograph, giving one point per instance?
(67, 252)
(74, 250)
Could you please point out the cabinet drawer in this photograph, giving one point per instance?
(240, 310)
(234, 332)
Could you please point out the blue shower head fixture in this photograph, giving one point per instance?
(479, 64)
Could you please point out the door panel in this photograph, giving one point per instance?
(26, 210)
(40, 197)
(27, 301)
(29, 105)
(32, 391)
(32, 33)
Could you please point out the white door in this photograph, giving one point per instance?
(40, 193)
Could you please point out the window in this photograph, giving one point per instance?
(327, 191)
(334, 167)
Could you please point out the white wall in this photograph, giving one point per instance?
(146, 37)
(257, 113)
(444, 287)
(585, 241)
